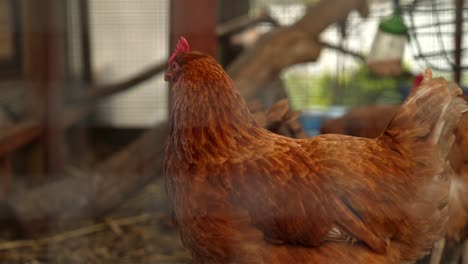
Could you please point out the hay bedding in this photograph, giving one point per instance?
(139, 231)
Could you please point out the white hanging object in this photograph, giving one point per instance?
(388, 47)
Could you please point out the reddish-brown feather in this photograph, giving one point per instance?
(241, 194)
(370, 121)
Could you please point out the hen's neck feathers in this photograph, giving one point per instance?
(208, 113)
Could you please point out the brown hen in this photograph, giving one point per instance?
(370, 121)
(242, 194)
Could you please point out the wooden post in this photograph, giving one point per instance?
(45, 66)
(196, 21)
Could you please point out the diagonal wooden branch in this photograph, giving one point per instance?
(89, 194)
(238, 24)
(287, 46)
(343, 50)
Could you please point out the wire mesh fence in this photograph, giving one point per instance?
(127, 36)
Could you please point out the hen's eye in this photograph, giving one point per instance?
(174, 66)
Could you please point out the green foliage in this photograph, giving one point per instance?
(365, 88)
(306, 91)
(352, 88)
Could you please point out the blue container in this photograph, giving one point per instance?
(336, 111)
(311, 120)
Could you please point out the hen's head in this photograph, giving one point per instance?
(174, 67)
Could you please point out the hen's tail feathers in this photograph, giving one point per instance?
(422, 131)
(428, 116)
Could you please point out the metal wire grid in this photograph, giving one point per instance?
(432, 29)
(127, 36)
(432, 36)
(358, 35)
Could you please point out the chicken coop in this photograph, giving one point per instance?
(86, 113)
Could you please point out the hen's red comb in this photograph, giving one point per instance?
(182, 46)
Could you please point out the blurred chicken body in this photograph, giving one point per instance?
(371, 120)
(241, 194)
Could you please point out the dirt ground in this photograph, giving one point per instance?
(139, 231)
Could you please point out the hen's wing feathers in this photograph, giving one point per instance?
(295, 198)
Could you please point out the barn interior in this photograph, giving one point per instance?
(85, 110)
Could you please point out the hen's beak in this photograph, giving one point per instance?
(167, 76)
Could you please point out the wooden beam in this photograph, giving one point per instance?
(18, 136)
(45, 66)
(196, 21)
